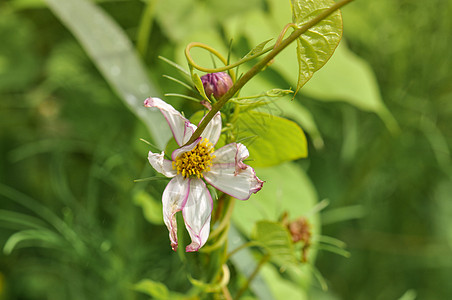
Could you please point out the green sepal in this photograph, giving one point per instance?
(199, 86)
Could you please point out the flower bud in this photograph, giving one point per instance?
(216, 84)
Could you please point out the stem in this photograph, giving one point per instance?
(261, 65)
(264, 259)
(226, 219)
(226, 293)
(243, 246)
(214, 52)
(145, 27)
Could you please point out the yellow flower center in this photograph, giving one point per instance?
(196, 161)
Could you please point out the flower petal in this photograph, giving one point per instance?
(233, 153)
(197, 211)
(213, 129)
(181, 128)
(230, 175)
(178, 152)
(161, 165)
(174, 198)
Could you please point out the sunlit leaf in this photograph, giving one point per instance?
(270, 139)
(318, 43)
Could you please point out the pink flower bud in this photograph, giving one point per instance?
(216, 84)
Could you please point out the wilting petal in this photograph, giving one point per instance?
(176, 153)
(174, 198)
(180, 126)
(197, 211)
(161, 165)
(232, 154)
(230, 175)
(189, 130)
(239, 184)
(213, 129)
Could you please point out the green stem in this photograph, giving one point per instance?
(262, 64)
(213, 51)
(192, 63)
(145, 27)
(243, 246)
(226, 218)
(264, 259)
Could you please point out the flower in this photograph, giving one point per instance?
(216, 84)
(190, 166)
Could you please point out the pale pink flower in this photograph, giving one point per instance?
(193, 164)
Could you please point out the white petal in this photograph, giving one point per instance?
(161, 165)
(233, 153)
(180, 126)
(174, 198)
(189, 130)
(213, 129)
(197, 211)
(226, 154)
(230, 175)
(178, 152)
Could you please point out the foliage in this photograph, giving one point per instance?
(74, 224)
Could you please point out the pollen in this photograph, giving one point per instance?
(195, 162)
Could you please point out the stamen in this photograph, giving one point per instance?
(196, 161)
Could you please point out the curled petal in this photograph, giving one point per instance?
(239, 184)
(226, 154)
(230, 175)
(197, 212)
(174, 198)
(161, 165)
(176, 153)
(232, 154)
(213, 129)
(181, 128)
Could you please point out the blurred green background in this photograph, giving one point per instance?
(74, 225)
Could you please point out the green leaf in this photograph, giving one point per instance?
(271, 140)
(276, 239)
(20, 220)
(318, 43)
(152, 209)
(114, 55)
(37, 237)
(251, 102)
(282, 288)
(156, 290)
(287, 189)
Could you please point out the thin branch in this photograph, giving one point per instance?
(261, 65)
